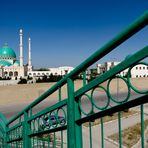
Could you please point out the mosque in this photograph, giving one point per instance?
(12, 67)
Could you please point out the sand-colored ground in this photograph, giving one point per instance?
(16, 97)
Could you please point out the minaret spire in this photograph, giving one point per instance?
(21, 47)
(29, 55)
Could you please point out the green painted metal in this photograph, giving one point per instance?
(120, 129)
(142, 125)
(102, 133)
(71, 113)
(28, 129)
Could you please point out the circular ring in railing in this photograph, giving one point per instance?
(111, 96)
(100, 99)
(61, 117)
(53, 119)
(87, 99)
(129, 78)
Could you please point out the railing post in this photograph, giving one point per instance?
(70, 115)
(74, 131)
(26, 131)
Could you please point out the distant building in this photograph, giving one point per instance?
(139, 70)
(51, 71)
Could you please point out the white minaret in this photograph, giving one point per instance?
(21, 47)
(29, 55)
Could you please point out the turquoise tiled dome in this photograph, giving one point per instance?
(5, 63)
(7, 52)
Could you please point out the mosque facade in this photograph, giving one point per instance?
(12, 67)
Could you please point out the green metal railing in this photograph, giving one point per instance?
(29, 129)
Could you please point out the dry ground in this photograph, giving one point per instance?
(18, 96)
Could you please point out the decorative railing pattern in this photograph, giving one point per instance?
(61, 125)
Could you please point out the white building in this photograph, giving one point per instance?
(51, 71)
(61, 70)
(139, 70)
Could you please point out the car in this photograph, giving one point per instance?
(52, 120)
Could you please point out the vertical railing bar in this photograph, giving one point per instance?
(142, 125)
(54, 140)
(60, 98)
(90, 134)
(84, 78)
(102, 133)
(33, 141)
(60, 93)
(70, 115)
(37, 141)
(120, 129)
(49, 141)
(90, 124)
(61, 139)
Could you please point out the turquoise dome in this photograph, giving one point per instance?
(5, 63)
(7, 52)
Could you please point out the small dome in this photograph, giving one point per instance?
(6, 52)
(5, 63)
(16, 63)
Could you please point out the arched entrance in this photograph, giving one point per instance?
(10, 73)
(15, 73)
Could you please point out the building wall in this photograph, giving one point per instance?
(14, 71)
(54, 71)
(1, 71)
(139, 70)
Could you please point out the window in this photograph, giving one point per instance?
(15, 73)
(136, 76)
(10, 73)
(38, 73)
(143, 67)
(139, 67)
(136, 67)
(34, 74)
(29, 73)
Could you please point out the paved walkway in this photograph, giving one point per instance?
(109, 129)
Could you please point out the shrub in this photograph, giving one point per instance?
(22, 81)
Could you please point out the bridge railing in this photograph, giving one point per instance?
(2, 130)
(71, 115)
